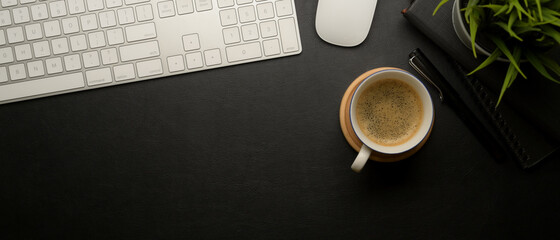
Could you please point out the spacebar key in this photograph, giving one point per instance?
(41, 86)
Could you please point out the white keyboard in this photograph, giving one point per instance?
(54, 47)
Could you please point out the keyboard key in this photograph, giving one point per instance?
(268, 29)
(89, 22)
(94, 5)
(288, 35)
(17, 72)
(250, 32)
(60, 46)
(70, 25)
(52, 28)
(35, 69)
(144, 13)
(5, 18)
(128, 2)
(3, 74)
(284, 8)
(96, 39)
(176, 63)
(139, 51)
(33, 31)
(78, 43)
(247, 14)
(21, 15)
(271, 47)
(41, 86)
(265, 10)
(125, 15)
(113, 3)
(54, 65)
(91, 59)
(185, 7)
(228, 17)
(212, 57)
(240, 2)
(115, 36)
(194, 60)
(191, 42)
(41, 49)
(243, 52)
(225, 3)
(231, 35)
(27, 1)
(2, 37)
(166, 9)
(99, 76)
(72, 62)
(8, 3)
(203, 5)
(39, 12)
(124, 72)
(6, 55)
(109, 56)
(76, 6)
(107, 19)
(149, 68)
(58, 9)
(15, 35)
(23, 52)
(140, 32)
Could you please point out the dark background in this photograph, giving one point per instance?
(255, 151)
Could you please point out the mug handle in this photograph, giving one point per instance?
(361, 159)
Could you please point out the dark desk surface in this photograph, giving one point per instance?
(256, 152)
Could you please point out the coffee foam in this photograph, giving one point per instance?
(389, 112)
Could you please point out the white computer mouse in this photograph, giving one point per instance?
(344, 22)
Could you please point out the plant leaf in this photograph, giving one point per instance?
(511, 20)
(551, 17)
(550, 11)
(502, 46)
(473, 29)
(511, 74)
(539, 8)
(551, 32)
(497, 53)
(497, 9)
(522, 30)
(439, 6)
(502, 10)
(517, 51)
(550, 64)
(537, 64)
(520, 9)
(474, 20)
(508, 29)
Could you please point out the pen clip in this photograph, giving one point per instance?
(424, 75)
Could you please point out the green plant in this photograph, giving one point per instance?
(521, 30)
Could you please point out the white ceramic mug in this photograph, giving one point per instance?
(423, 129)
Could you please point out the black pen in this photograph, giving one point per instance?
(448, 95)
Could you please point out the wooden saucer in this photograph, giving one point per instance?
(351, 137)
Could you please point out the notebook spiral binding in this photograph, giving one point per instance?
(486, 101)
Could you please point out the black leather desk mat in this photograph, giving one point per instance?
(256, 152)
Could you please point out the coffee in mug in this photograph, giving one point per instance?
(391, 112)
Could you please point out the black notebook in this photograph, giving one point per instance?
(528, 118)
